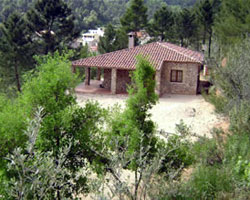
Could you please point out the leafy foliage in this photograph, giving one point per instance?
(12, 122)
(36, 174)
(234, 78)
(63, 122)
(136, 117)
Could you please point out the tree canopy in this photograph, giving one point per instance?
(16, 40)
(162, 24)
(232, 22)
(113, 39)
(135, 17)
(52, 25)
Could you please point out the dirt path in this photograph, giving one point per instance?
(193, 110)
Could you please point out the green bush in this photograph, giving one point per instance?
(12, 124)
(222, 170)
(240, 118)
(207, 182)
(177, 153)
(64, 123)
(207, 152)
(218, 101)
(242, 168)
(236, 145)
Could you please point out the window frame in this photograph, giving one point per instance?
(178, 78)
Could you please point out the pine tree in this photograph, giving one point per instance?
(106, 42)
(232, 22)
(206, 14)
(186, 26)
(89, 13)
(52, 24)
(16, 44)
(135, 17)
(112, 40)
(163, 21)
(121, 41)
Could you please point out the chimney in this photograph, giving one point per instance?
(131, 40)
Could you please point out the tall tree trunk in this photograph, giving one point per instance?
(182, 41)
(17, 77)
(162, 36)
(210, 42)
(197, 41)
(204, 35)
(136, 186)
(57, 150)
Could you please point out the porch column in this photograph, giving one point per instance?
(73, 68)
(87, 75)
(113, 80)
(158, 82)
(98, 74)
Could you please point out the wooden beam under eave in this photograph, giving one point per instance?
(98, 74)
(87, 75)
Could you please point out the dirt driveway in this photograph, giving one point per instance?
(193, 110)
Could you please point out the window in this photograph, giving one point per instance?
(176, 76)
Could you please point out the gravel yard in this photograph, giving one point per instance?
(193, 110)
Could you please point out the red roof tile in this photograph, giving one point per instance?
(156, 52)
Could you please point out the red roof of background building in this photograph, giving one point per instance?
(156, 52)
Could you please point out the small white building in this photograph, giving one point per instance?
(92, 35)
(91, 38)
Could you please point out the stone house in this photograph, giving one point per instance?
(177, 68)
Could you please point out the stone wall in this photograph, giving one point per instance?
(189, 82)
(107, 79)
(123, 79)
(164, 85)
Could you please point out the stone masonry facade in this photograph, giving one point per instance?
(189, 84)
(122, 80)
(107, 79)
(190, 78)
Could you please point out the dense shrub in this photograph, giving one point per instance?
(207, 182)
(240, 118)
(13, 122)
(64, 123)
(177, 153)
(219, 101)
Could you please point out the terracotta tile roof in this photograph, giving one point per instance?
(156, 52)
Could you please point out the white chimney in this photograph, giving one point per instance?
(131, 40)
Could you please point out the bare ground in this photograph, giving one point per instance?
(193, 110)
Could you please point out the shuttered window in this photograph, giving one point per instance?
(176, 76)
